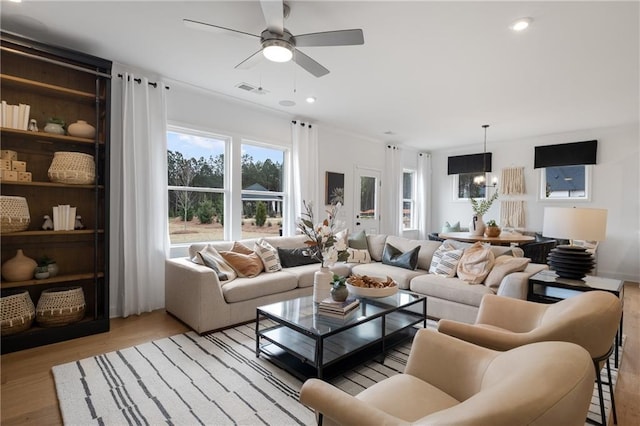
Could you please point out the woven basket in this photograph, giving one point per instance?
(72, 167)
(60, 306)
(14, 214)
(17, 312)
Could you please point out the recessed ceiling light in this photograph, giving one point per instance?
(521, 24)
(311, 99)
(287, 103)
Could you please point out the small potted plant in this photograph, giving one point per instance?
(339, 290)
(55, 125)
(492, 229)
(42, 270)
(51, 265)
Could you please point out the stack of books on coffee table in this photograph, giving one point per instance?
(331, 308)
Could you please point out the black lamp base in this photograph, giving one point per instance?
(571, 262)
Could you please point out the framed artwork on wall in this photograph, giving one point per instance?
(334, 188)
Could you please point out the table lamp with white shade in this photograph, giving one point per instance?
(570, 223)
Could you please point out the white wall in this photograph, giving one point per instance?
(615, 187)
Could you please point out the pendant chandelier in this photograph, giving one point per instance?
(481, 180)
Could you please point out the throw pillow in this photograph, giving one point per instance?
(451, 228)
(475, 264)
(445, 260)
(342, 238)
(210, 257)
(503, 266)
(296, 257)
(268, 254)
(358, 256)
(243, 260)
(358, 240)
(394, 257)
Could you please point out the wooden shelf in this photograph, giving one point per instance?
(54, 280)
(53, 233)
(51, 185)
(43, 136)
(51, 88)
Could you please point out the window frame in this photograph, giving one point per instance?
(542, 183)
(413, 225)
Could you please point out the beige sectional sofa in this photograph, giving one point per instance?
(194, 294)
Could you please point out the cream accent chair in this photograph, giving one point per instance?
(449, 381)
(589, 319)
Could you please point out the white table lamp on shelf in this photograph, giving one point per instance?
(572, 261)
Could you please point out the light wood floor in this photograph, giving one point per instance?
(28, 391)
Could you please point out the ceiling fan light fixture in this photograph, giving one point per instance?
(277, 50)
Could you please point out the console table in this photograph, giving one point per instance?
(547, 287)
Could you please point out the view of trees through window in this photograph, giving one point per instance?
(408, 200)
(197, 189)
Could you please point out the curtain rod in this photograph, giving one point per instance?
(139, 80)
(301, 123)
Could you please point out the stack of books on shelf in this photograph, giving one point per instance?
(331, 308)
(14, 116)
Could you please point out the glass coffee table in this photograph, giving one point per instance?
(309, 344)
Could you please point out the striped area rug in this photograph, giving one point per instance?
(189, 379)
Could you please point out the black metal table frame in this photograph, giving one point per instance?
(319, 339)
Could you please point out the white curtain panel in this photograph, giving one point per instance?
(391, 194)
(305, 181)
(139, 241)
(423, 194)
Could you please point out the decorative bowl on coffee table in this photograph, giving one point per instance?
(387, 287)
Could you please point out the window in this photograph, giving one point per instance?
(196, 164)
(466, 186)
(408, 200)
(565, 183)
(262, 190)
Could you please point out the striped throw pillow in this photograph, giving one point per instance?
(268, 254)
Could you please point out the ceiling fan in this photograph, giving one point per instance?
(279, 45)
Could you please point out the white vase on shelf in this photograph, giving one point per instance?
(477, 226)
(322, 284)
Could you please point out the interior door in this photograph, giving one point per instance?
(367, 203)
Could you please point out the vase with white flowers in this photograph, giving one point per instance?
(324, 246)
(477, 226)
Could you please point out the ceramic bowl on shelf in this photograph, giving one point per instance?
(388, 287)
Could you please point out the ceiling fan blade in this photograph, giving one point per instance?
(331, 38)
(309, 64)
(214, 28)
(273, 11)
(250, 61)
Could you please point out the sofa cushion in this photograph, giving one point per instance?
(400, 275)
(358, 256)
(376, 246)
(427, 248)
(287, 242)
(252, 288)
(296, 257)
(358, 240)
(210, 257)
(395, 257)
(243, 260)
(475, 264)
(447, 227)
(268, 254)
(451, 289)
(445, 260)
(505, 265)
(305, 273)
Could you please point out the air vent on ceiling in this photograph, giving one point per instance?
(253, 89)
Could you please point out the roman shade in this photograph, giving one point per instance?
(567, 154)
(472, 163)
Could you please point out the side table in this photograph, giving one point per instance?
(547, 287)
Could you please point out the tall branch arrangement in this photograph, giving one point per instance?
(481, 207)
(326, 248)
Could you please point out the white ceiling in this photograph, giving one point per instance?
(431, 72)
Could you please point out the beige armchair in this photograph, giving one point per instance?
(589, 319)
(449, 381)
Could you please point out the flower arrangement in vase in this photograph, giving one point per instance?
(326, 248)
(477, 226)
